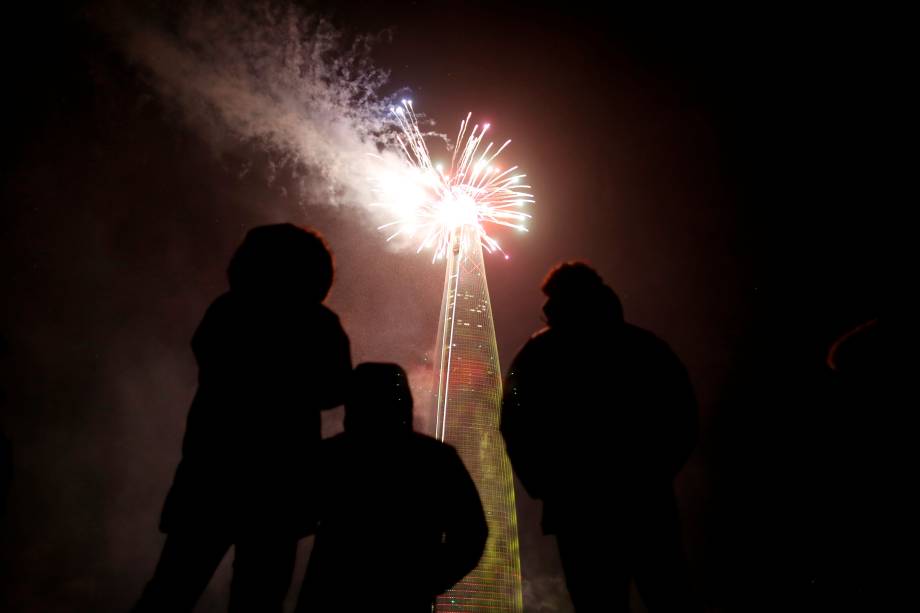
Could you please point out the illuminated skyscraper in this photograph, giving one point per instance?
(467, 416)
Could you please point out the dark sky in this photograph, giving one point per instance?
(723, 171)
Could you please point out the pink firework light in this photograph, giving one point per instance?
(434, 204)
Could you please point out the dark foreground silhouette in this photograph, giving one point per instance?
(6, 448)
(270, 358)
(400, 519)
(6, 471)
(868, 524)
(598, 417)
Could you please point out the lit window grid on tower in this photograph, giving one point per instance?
(467, 416)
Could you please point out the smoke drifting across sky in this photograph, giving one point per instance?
(278, 80)
(274, 76)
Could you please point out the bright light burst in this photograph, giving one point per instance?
(434, 203)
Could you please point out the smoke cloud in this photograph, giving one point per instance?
(274, 77)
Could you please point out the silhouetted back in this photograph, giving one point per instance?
(400, 520)
(6, 471)
(598, 417)
(6, 449)
(592, 399)
(270, 358)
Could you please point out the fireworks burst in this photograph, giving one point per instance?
(434, 203)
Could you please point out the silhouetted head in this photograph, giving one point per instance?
(576, 294)
(282, 259)
(379, 401)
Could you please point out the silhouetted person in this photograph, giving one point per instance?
(270, 358)
(400, 519)
(6, 472)
(598, 417)
(6, 449)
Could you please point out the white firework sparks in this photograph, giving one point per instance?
(431, 203)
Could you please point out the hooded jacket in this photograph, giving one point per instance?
(267, 367)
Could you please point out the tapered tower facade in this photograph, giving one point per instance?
(467, 413)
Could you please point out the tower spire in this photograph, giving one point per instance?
(467, 415)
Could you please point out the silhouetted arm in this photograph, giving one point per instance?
(682, 416)
(337, 372)
(6, 471)
(465, 529)
(521, 421)
(326, 367)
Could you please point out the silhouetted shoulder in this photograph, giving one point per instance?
(640, 339)
(219, 310)
(326, 318)
(223, 304)
(542, 340)
(229, 306)
(431, 444)
(6, 470)
(343, 444)
(641, 335)
(335, 443)
(336, 448)
(327, 315)
(444, 453)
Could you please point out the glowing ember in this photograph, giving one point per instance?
(432, 204)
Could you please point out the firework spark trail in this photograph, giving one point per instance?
(434, 204)
(283, 82)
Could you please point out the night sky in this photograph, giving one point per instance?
(722, 171)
